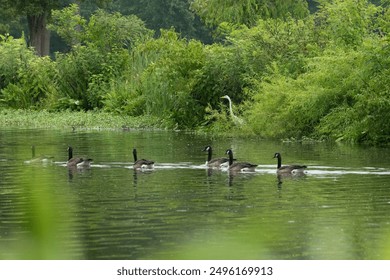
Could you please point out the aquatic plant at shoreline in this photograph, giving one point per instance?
(76, 120)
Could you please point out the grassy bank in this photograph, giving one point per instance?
(84, 120)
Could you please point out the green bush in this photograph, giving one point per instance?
(342, 96)
(366, 119)
(106, 31)
(75, 72)
(123, 96)
(285, 42)
(13, 54)
(242, 68)
(26, 79)
(101, 56)
(346, 22)
(168, 80)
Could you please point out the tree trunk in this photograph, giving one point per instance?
(39, 37)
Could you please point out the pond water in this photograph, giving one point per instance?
(340, 209)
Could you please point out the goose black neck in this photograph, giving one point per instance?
(70, 153)
(230, 158)
(279, 161)
(210, 152)
(135, 155)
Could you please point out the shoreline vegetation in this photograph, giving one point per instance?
(24, 118)
(98, 120)
(320, 74)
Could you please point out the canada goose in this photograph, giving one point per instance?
(40, 159)
(142, 163)
(216, 162)
(77, 161)
(239, 166)
(288, 169)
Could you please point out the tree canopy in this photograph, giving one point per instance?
(247, 12)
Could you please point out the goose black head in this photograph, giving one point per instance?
(207, 148)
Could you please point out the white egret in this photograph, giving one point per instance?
(236, 120)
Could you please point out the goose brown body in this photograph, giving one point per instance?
(39, 159)
(77, 161)
(288, 169)
(141, 163)
(216, 162)
(239, 166)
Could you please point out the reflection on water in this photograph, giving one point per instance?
(339, 209)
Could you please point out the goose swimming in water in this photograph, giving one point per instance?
(141, 163)
(77, 161)
(239, 166)
(41, 159)
(216, 162)
(288, 169)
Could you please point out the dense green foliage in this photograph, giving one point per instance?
(166, 14)
(290, 75)
(343, 91)
(215, 12)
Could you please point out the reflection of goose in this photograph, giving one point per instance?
(239, 166)
(236, 120)
(77, 161)
(288, 169)
(216, 162)
(142, 163)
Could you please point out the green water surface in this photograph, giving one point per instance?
(181, 210)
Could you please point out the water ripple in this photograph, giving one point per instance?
(315, 170)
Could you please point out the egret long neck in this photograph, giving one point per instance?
(230, 107)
